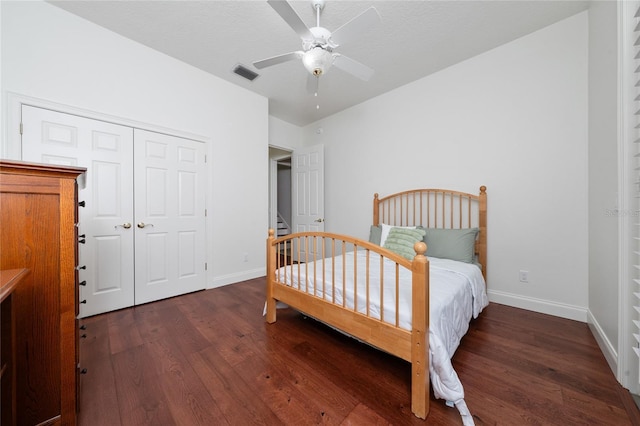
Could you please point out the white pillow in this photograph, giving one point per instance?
(385, 232)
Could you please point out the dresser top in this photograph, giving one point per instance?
(16, 166)
(9, 279)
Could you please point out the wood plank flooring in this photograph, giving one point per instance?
(209, 358)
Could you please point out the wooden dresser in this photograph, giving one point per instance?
(38, 231)
(10, 279)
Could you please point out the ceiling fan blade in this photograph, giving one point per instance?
(353, 67)
(290, 16)
(356, 26)
(275, 60)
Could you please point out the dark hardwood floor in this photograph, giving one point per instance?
(209, 358)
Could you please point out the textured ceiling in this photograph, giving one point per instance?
(414, 39)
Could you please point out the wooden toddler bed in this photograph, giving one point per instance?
(378, 292)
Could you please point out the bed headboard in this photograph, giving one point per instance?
(437, 208)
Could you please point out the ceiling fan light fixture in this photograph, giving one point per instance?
(317, 60)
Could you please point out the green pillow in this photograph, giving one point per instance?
(375, 233)
(455, 244)
(402, 240)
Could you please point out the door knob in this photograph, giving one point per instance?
(142, 225)
(124, 225)
(320, 220)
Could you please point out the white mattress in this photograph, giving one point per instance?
(457, 294)
(457, 291)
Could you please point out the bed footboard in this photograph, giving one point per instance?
(360, 288)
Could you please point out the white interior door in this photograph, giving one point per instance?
(307, 196)
(106, 150)
(170, 179)
(128, 257)
(307, 189)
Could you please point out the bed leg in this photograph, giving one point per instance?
(271, 310)
(420, 388)
(420, 333)
(271, 268)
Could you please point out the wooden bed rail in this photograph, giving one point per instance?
(301, 272)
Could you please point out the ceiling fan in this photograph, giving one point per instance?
(318, 43)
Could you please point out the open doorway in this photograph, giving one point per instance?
(280, 203)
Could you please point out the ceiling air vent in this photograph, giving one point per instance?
(245, 72)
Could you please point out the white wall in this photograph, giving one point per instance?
(50, 54)
(513, 119)
(603, 177)
(284, 135)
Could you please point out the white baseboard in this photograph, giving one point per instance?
(549, 307)
(237, 277)
(610, 353)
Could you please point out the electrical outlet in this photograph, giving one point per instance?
(524, 276)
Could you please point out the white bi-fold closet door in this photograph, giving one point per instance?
(143, 220)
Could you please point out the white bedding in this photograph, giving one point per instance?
(457, 294)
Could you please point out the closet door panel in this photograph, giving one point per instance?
(170, 179)
(106, 150)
